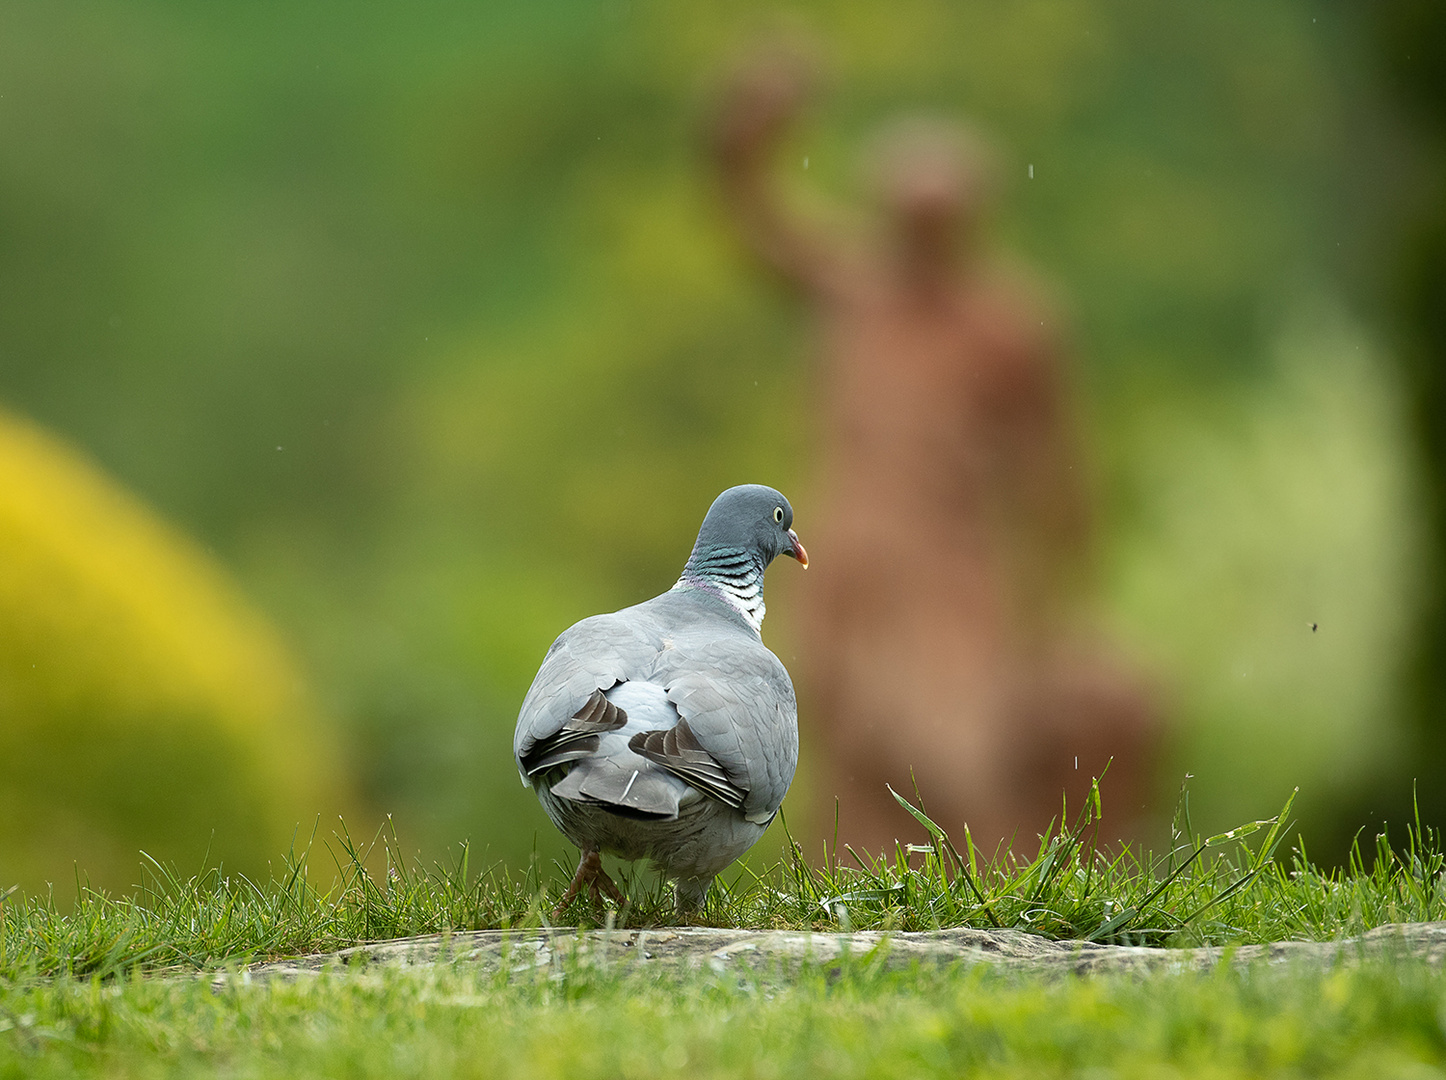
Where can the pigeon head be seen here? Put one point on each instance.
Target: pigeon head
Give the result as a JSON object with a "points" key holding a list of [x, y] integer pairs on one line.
{"points": [[746, 528], [750, 518]]}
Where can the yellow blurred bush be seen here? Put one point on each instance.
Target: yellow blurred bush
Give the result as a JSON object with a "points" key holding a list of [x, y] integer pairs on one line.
{"points": [[143, 704]]}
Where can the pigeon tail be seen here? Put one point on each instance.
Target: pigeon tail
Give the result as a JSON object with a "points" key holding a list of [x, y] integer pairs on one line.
{"points": [[645, 791]]}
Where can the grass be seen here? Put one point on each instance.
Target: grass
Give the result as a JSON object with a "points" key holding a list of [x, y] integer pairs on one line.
{"points": [[1228, 888], [856, 1021], [78, 996]]}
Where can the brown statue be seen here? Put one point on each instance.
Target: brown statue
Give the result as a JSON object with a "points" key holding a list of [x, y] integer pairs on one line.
{"points": [[950, 518]]}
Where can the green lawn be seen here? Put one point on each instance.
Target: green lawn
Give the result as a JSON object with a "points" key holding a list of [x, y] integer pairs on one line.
{"points": [[118, 985], [1368, 1021], [1229, 888]]}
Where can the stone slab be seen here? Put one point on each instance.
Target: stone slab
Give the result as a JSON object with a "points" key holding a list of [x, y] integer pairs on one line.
{"points": [[721, 950]]}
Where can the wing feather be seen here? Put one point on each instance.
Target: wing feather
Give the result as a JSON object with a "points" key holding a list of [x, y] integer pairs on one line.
{"points": [[678, 750], [577, 738]]}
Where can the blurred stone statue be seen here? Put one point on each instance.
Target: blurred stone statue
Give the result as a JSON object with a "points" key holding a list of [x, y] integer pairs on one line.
{"points": [[950, 512]]}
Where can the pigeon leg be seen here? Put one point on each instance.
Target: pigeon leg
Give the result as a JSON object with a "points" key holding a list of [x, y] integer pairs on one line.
{"points": [[590, 873], [690, 894]]}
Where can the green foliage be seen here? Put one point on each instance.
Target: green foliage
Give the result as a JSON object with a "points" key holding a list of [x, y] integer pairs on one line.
{"points": [[426, 320], [1287, 502], [143, 702]]}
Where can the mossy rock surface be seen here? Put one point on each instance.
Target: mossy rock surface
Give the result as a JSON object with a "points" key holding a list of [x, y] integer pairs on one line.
{"points": [[144, 705]]}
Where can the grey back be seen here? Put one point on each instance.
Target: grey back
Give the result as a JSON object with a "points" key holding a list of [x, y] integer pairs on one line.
{"points": [[733, 692]]}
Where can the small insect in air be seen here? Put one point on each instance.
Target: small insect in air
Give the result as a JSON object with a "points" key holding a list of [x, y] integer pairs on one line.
{"points": [[1313, 627]]}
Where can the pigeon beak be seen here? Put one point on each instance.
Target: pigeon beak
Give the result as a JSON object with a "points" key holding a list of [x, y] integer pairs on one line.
{"points": [[797, 552]]}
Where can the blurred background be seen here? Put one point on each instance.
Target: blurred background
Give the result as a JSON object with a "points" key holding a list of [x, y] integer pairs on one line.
{"points": [[347, 355]]}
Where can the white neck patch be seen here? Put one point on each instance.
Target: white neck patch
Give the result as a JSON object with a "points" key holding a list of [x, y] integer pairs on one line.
{"points": [[747, 600]]}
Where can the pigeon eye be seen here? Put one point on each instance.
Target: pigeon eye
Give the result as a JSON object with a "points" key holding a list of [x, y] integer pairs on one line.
{"points": [[778, 514]]}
